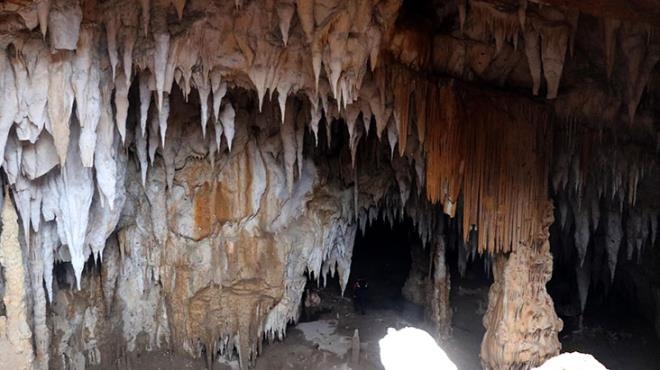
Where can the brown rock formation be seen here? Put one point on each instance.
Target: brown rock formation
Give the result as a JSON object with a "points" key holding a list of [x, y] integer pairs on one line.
{"points": [[521, 323]]}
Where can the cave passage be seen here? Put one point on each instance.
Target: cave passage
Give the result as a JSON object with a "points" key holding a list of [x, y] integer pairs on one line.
{"points": [[381, 255]]}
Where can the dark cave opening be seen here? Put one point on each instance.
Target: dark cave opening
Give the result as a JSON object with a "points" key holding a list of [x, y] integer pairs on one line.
{"points": [[382, 257]]}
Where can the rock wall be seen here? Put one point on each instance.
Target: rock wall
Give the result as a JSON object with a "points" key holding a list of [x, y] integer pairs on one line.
{"points": [[15, 333], [211, 233]]}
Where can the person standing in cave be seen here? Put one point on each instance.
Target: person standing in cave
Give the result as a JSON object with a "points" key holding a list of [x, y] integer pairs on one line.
{"points": [[360, 295]]}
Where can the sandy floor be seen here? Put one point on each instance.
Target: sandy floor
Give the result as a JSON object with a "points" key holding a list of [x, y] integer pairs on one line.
{"points": [[326, 343]]}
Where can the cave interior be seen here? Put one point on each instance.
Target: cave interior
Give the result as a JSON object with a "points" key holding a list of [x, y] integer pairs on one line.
{"points": [[183, 178]]}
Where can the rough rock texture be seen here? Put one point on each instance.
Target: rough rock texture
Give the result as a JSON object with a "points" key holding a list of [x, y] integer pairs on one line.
{"points": [[521, 323], [213, 233], [15, 333]]}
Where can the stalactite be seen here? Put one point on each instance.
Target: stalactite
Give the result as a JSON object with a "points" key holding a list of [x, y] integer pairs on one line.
{"points": [[613, 241], [227, 117], [498, 191], [610, 29], [288, 135], [501, 25], [121, 104], [203, 89], [60, 103], [85, 80]]}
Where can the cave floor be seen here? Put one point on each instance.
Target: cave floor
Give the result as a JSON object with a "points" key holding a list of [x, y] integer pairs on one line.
{"points": [[325, 342]]}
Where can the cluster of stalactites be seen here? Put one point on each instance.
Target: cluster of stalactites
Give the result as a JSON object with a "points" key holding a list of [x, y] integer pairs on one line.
{"points": [[545, 37], [55, 53], [547, 33], [495, 154], [597, 187], [473, 146]]}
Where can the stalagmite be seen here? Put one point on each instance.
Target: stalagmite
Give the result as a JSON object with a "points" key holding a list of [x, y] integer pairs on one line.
{"points": [[355, 349], [583, 273], [440, 310], [519, 307]]}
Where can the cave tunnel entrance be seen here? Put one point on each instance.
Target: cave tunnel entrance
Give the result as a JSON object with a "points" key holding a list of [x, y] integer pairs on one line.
{"points": [[382, 258]]}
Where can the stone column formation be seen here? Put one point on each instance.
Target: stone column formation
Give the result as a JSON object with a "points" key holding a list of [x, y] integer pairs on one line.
{"points": [[521, 323]]}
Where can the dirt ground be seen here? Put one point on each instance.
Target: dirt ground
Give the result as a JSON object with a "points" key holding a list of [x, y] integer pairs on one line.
{"points": [[325, 342]]}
